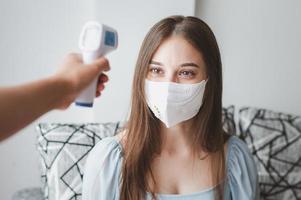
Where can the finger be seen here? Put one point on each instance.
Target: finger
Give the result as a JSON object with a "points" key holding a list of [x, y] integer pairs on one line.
{"points": [[102, 78], [97, 94], [91, 71], [102, 64], [100, 87]]}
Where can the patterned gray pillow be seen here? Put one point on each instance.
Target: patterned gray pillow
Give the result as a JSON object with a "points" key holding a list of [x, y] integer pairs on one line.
{"points": [[275, 141], [33, 193], [63, 149], [228, 119]]}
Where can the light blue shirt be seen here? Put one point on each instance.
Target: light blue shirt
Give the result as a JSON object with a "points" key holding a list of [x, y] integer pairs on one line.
{"points": [[103, 168]]}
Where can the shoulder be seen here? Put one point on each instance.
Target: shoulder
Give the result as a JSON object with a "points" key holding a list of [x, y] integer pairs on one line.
{"points": [[238, 155], [106, 152], [102, 169], [237, 147], [105, 147], [241, 170], [121, 138], [238, 151]]}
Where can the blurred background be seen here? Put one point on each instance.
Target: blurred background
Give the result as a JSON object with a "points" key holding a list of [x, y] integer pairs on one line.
{"points": [[259, 41]]}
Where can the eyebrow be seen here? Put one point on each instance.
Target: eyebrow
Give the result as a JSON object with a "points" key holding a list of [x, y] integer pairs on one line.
{"points": [[182, 65]]}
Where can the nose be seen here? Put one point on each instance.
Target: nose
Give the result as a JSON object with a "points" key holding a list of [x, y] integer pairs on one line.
{"points": [[171, 76]]}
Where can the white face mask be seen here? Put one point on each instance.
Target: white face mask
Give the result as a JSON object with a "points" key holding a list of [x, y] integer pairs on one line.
{"points": [[173, 103]]}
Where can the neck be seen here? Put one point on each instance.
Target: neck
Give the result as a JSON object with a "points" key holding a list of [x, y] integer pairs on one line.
{"points": [[176, 139]]}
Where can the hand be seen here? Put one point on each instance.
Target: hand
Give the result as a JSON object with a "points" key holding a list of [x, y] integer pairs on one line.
{"points": [[76, 76]]}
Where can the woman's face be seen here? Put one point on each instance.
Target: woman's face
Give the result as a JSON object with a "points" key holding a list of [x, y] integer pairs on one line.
{"points": [[177, 61]]}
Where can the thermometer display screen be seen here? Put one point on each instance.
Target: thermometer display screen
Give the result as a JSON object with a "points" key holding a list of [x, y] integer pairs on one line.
{"points": [[109, 38]]}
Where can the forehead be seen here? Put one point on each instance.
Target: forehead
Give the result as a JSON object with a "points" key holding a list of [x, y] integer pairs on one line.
{"points": [[176, 50]]}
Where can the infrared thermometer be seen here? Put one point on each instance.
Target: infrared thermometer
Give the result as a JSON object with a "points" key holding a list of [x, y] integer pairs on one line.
{"points": [[95, 40]]}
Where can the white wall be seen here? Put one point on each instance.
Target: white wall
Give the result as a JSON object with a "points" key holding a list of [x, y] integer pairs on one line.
{"points": [[34, 37], [261, 46]]}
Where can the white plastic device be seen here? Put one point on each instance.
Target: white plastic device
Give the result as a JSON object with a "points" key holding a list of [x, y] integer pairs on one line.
{"points": [[95, 40]]}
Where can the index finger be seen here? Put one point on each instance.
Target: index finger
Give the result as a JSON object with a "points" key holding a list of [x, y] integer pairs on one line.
{"points": [[102, 63]]}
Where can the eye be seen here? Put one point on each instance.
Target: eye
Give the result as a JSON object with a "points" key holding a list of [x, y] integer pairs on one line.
{"points": [[187, 73], [155, 70]]}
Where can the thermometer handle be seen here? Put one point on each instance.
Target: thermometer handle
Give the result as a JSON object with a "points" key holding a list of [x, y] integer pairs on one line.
{"points": [[86, 98]]}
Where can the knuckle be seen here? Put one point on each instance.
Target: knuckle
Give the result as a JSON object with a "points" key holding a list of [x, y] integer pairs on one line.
{"points": [[104, 61], [72, 56]]}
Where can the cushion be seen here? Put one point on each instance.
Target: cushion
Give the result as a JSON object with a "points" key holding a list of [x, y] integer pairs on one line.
{"points": [[64, 148], [228, 119], [274, 139], [28, 194]]}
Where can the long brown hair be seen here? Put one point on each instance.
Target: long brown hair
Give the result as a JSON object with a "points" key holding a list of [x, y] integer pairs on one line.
{"points": [[143, 140]]}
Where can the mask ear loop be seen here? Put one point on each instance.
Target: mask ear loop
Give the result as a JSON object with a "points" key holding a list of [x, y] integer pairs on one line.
{"points": [[207, 79], [204, 157]]}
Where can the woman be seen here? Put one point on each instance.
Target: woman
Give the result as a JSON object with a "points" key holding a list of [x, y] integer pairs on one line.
{"points": [[173, 146]]}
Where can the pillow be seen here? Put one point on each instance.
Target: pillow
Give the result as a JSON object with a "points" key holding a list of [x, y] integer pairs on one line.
{"points": [[275, 141], [228, 119], [31, 193], [63, 149]]}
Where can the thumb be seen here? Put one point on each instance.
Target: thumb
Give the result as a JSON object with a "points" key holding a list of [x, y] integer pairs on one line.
{"points": [[93, 70], [100, 64]]}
